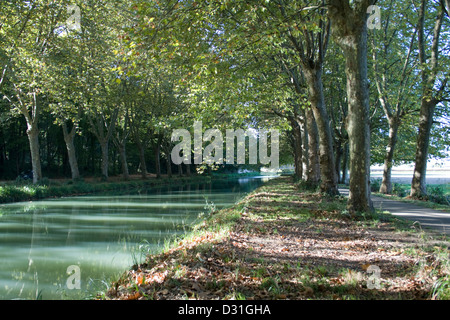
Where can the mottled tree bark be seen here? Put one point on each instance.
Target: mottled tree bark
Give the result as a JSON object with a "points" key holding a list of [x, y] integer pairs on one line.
{"points": [[123, 160], [104, 145], [345, 164], [311, 48], [32, 119], [33, 138], [328, 180], [386, 183], [305, 147], [297, 147], [313, 172], [98, 128], [350, 30], [69, 138], [418, 184], [143, 162]]}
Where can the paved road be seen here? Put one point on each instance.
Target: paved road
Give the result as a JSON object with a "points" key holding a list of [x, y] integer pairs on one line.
{"points": [[428, 218]]}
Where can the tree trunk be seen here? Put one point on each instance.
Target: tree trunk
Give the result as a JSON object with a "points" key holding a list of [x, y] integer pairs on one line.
{"points": [[158, 160], [345, 164], [297, 146], [169, 165], [447, 6], [418, 184], [98, 128], [328, 183], [428, 104], [33, 138], [350, 28], [386, 183], [70, 145], [121, 143], [105, 159], [313, 174], [188, 170], [123, 160], [358, 124], [32, 120], [338, 160], [142, 159], [167, 151], [305, 147]]}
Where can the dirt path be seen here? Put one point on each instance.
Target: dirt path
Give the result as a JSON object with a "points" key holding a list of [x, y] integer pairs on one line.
{"points": [[283, 243], [425, 217]]}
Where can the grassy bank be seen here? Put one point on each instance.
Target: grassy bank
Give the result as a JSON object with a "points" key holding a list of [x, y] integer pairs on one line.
{"points": [[25, 191], [438, 194], [282, 242]]}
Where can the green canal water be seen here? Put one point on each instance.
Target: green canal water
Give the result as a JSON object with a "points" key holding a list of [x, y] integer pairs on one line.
{"points": [[71, 248]]}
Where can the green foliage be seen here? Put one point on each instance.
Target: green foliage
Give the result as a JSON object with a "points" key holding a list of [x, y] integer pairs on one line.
{"points": [[160, 65], [308, 186], [437, 194], [375, 185], [441, 289]]}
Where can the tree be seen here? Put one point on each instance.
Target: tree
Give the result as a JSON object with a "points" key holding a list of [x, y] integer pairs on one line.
{"points": [[103, 26], [349, 26], [65, 87], [311, 45], [120, 137], [394, 76], [431, 95], [103, 122], [296, 39], [27, 46], [336, 102]]}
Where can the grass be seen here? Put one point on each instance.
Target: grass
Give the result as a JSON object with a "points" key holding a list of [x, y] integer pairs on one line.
{"points": [[285, 242], [438, 194]]}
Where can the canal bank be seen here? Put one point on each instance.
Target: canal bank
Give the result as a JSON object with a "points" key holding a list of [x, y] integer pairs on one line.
{"points": [[281, 242], [25, 191]]}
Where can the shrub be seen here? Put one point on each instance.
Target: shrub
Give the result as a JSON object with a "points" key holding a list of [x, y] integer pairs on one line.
{"points": [[437, 194], [12, 194], [308, 186], [398, 190], [44, 182], [375, 185]]}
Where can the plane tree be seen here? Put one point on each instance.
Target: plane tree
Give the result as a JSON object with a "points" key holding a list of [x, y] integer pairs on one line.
{"points": [[433, 60], [349, 29], [27, 33]]}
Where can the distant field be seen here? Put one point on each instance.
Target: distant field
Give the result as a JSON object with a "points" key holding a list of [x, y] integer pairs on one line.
{"points": [[438, 181], [438, 172], [400, 176]]}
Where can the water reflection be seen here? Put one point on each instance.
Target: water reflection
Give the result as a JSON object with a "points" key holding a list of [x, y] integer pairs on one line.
{"points": [[103, 235]]}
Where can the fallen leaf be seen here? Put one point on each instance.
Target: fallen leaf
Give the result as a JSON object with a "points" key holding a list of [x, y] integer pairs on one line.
{"points": [[365, 266], [134, 296]]}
